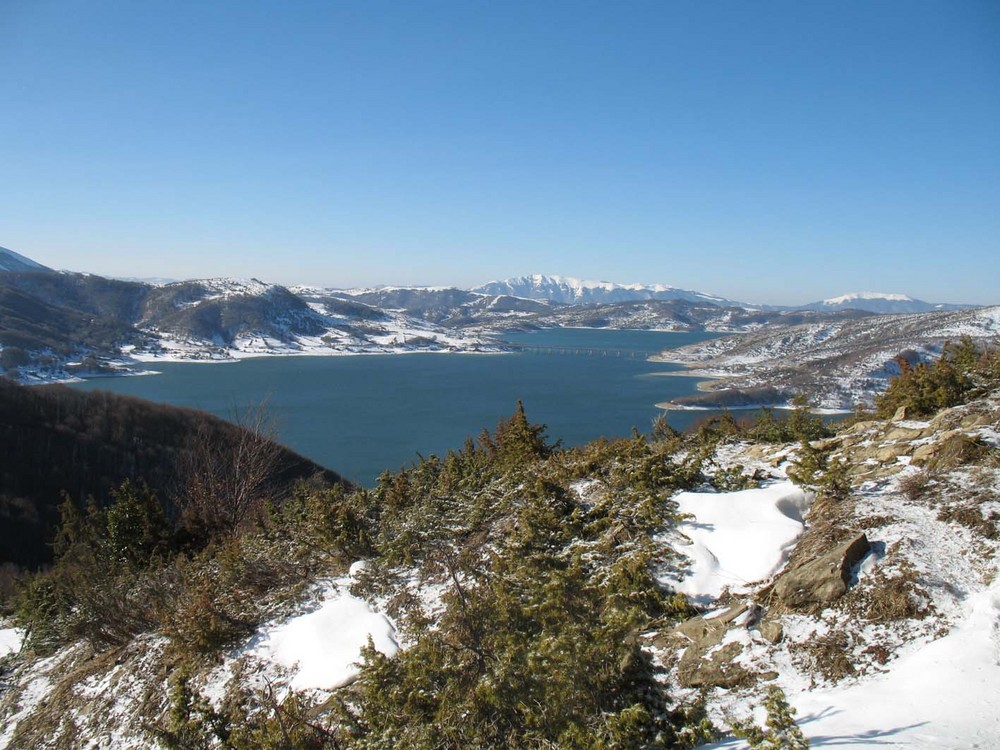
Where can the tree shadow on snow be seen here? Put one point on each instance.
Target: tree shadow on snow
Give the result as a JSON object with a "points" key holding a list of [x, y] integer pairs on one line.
{"points": [[869, 738]]}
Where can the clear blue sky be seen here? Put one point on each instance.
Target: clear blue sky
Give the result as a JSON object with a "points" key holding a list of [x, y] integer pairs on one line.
{"points": [[767, 151]]}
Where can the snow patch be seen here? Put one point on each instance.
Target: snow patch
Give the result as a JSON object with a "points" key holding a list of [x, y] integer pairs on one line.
{"points": [[10, 641], [323, 647], [737, 538]]}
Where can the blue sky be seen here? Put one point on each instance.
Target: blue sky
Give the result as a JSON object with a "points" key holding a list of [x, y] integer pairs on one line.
{"points": [[767, 151]]}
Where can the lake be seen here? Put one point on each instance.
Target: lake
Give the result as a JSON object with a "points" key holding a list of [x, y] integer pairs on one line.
{"points": [[360, 415]]}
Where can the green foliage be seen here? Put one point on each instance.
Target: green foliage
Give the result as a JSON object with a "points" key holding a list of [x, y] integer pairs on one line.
{"points": [[545, 560], [780, 731], [764, 426], [545, 597], [732, 479], [246, 720], [963, 371], [802, 424], [137, 527], [817, 470], [104, 582]]}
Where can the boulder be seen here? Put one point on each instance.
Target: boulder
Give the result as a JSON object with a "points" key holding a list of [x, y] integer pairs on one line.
{"points": [[981, 420], [697, 669], [707, 663], [889, 453], [697, 629], [904, 434], [771, 631], [814, 584]]}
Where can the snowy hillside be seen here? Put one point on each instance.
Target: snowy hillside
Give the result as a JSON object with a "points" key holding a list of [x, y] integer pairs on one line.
{"points": [[895, 648], [218, 319], [571, 291], [838, 364]]}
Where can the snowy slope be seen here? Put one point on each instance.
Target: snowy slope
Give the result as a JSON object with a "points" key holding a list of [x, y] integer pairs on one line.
{"points": [[924, 681], [838, 363], [737, 538]]}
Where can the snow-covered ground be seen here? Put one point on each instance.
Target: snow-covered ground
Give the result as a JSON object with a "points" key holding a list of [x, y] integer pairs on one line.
{"points": [[920, 682], [943, 694], [322, 648], [737, 538], [316, 649], [10, 641]]}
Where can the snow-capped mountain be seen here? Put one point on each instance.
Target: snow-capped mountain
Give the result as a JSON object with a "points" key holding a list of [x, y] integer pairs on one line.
{"points": [[15, 262], [572, 291], [880, 302]]}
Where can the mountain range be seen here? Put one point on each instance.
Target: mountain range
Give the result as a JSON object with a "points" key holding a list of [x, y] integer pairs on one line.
{"points": [[572, 291], [55, 325]]}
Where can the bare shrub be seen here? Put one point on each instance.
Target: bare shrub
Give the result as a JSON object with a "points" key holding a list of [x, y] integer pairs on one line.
{"points": [[828, 655], [915, 486], [225, 483], [890, 598]]}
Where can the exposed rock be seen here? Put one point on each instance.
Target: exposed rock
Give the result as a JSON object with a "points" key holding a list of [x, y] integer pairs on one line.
{"points": [[953, 448], [924, 453], [717, 669], [706, 664], [700, 628], [904, 433], [771, 631], [889, 453], [902, 414], [980, 420], [822, 580]]}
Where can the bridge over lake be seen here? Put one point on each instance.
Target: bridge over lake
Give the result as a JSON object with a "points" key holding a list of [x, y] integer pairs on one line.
{"points": [[577, 351]]}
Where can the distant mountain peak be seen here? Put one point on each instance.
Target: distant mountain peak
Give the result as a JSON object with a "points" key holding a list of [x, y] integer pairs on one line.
{"points": [[853, 296], [881, 302], [569, 290], [15, 262]]}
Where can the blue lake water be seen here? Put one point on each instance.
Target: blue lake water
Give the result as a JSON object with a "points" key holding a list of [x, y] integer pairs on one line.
{"points": [[361, 415]]}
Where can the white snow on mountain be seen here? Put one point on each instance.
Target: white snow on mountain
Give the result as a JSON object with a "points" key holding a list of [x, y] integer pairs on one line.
{"points": [[866, 296], [226, 288], [572, 291], [880, 302]]}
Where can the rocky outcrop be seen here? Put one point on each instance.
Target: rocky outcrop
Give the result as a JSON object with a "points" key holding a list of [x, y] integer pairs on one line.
{"points": [[707, 661], [814, 584]]}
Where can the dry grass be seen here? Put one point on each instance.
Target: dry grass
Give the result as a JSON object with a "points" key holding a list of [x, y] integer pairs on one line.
{"points": [[959, 450], [877, 652], [971, 517], [828, 656], [889, 597], [916, 486], [875, 521]]}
